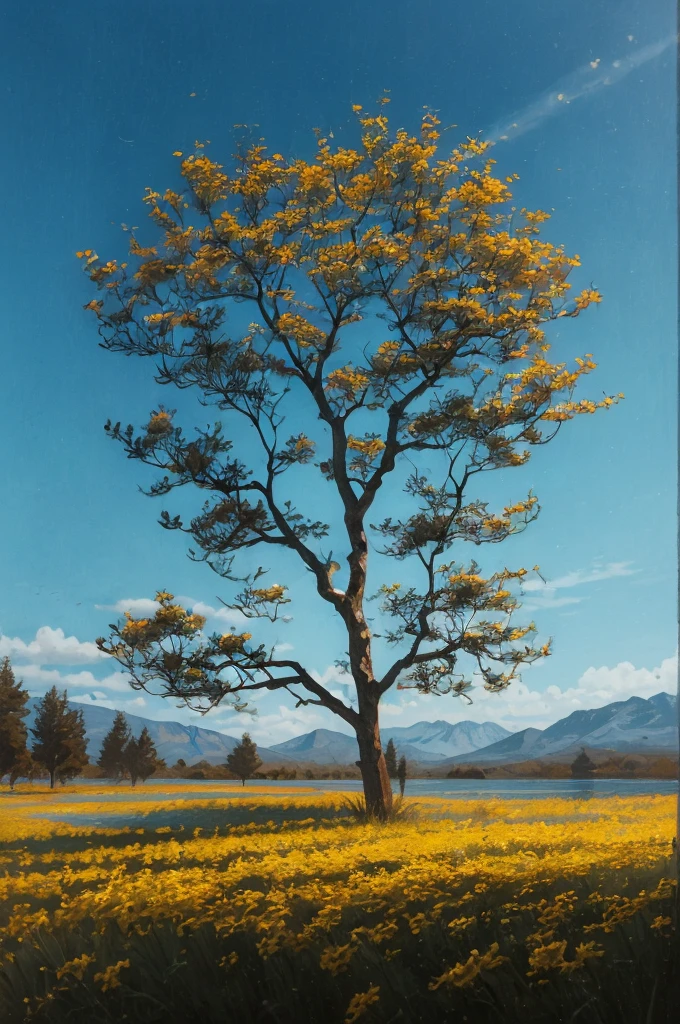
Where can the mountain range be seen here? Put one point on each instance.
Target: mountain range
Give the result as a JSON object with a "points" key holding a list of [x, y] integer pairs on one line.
{"points": [[425, 742], [172, 739], [637, 724]]}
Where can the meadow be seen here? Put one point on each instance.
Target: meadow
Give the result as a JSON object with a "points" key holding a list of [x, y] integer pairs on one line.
{"points": [[288, 906]]}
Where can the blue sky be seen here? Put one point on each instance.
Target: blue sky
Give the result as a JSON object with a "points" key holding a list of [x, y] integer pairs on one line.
{"points": [[582, 106]]}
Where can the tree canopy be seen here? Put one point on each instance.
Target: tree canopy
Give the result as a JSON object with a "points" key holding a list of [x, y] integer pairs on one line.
{"points": [[111, 757], [59, 731], [244, 759], [140, 758], [15, 759], [393, 291]]}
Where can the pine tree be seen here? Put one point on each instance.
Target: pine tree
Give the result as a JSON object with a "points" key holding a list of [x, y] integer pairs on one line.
{"points": [[59, 733], [401, 774], [15, 760], [243, 760], [582, 766], [391, 759], [140, 757], [115, 741]]}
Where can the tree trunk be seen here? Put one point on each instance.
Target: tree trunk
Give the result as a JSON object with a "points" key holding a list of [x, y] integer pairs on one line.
{"points": [[243, 782], [377, 786], [52, 775]]}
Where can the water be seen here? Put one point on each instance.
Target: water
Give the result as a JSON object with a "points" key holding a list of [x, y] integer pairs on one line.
{"points": [[463, 789]]}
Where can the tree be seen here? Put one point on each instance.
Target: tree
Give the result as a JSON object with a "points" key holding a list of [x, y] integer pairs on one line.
{"points": [[59, 733], [391, 759], [401, 774], [398, 306], [140, 757], [244, 760], [111, 759], [582, 767], [15, 759]]}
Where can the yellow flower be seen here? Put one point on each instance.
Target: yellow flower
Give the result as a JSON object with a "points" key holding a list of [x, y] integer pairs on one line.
{"points": [[108, 978], [76, 967], [360, 1002]]}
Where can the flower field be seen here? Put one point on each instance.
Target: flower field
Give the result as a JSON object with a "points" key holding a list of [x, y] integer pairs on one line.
{"points": [[284, 906]]}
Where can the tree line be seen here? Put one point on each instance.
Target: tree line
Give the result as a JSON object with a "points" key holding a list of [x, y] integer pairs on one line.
{"points": [[59, 743]]}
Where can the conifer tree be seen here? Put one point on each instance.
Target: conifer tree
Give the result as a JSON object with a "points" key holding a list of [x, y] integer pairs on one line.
{"points": [[140, 757], [582, 766], [59, 733], [114, 743], [244, 759], [15, 759], [401, 774], [391, 759]]}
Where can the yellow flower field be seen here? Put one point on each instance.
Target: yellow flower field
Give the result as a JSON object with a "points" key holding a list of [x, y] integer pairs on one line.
{"points": [[449, 901]]}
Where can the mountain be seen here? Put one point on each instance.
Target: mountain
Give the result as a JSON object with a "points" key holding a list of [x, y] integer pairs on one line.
{"points": [[322, 746], [636, 724], [437, 740], [172, 739], [426, 742]]}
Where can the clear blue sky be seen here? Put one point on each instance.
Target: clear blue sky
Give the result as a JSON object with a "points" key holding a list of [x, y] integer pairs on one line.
{"points": [[95, 100]]}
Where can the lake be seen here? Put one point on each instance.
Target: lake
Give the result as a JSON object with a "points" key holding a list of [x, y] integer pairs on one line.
{"points": [[463, 789]]}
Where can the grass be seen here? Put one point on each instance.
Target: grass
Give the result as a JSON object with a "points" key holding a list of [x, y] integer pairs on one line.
{"points": [[295, 907]]}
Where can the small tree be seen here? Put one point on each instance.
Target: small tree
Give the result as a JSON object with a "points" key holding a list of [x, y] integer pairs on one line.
{"points": [[398, 306], [111, 757], [244, 759], [391, 759], [15, 759], [401, 774], [582, 766], [60, 745], [140, 757]]}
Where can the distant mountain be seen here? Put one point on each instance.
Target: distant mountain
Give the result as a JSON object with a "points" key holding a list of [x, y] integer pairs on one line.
{"points": [[426, 742], [635, 724], [172, 739], [322, 746], [436, 740]]}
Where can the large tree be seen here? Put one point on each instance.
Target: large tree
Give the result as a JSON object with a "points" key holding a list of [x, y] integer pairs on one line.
{"points": [[59, 732], [387, 310], [15, 759]]}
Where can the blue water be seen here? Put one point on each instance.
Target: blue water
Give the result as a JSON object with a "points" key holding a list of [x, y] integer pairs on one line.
{"points": [[464, 789]]}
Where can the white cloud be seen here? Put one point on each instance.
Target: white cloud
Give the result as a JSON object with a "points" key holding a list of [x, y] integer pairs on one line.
{"points": [[227, 615], [33, 675], [50, 647], [137, 606], [581, 576], [277, 726], [521, 705], [543, 593], [590, 78], [142, 606], [136, 705]]}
